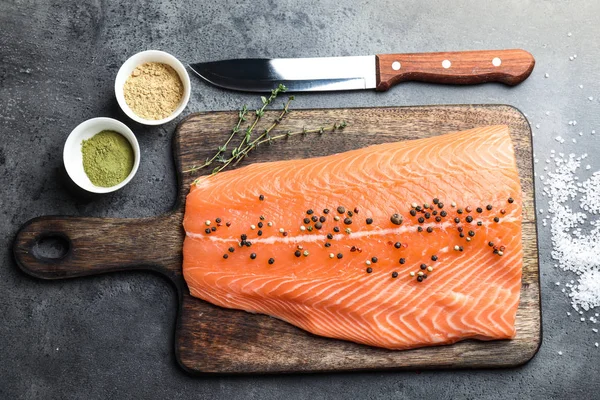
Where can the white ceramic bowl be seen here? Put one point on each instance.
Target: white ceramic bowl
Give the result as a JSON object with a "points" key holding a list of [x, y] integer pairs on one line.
{"points": [[144, 57], [73, 158]]}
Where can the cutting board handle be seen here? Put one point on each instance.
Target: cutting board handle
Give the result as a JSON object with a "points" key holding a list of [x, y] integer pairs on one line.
{"points": [[98, 245]]}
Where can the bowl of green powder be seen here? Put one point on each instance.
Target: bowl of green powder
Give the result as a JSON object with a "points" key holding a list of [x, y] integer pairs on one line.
{"points": [[101, 155]]}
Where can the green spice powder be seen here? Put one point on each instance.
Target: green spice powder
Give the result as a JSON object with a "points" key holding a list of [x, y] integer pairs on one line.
{"points": [[107, 158]]}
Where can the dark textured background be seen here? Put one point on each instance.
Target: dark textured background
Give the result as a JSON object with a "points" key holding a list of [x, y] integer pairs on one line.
{"points": [[112, 336]]}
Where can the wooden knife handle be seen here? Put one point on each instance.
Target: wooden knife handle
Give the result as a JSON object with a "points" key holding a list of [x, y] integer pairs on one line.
{"points": [[99, 245], [510, 67]]}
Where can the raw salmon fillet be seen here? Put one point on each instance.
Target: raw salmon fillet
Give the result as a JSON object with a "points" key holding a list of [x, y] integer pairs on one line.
{"points": [[399, 245]]}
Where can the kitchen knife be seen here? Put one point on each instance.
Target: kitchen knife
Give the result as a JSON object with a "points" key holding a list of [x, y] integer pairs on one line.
{"points": [[378, 72]]}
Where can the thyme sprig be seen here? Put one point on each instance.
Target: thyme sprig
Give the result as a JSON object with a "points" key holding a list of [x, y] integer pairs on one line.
{"points": [[247, 144]]}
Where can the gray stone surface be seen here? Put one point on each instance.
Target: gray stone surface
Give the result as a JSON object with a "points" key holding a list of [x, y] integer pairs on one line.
{"points": [[112, 336]]}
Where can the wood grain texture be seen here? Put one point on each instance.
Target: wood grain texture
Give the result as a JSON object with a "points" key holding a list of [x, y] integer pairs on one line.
{"points": [[211, 339], [459, 68]]}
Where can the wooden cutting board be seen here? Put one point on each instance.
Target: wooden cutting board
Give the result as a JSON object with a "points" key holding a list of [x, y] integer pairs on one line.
{"points": [[210, 339]]}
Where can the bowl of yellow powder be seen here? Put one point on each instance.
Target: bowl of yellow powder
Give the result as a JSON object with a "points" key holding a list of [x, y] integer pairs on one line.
{"points": [[152, 87], [101, 155]]}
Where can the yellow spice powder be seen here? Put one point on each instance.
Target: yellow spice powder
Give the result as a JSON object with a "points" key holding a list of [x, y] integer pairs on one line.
{"points": [[153, 90]]}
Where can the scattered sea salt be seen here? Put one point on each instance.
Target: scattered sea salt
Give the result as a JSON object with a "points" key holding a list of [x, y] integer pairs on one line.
{"points": [[571, 58], [546, 75], [560, 353], [574, 140], [537, 126], [590, 98], [594, 330], [580, 133], [575, 248], [569, 34], [580, 86], [596, 344]]}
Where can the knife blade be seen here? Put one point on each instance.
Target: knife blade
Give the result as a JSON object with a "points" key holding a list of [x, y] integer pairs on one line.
{"points": [[378, 72]]}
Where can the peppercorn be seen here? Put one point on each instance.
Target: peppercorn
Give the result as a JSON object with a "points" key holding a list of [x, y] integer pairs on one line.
{"points": [[356, 210], [460, 228], [253, 256], [491, 244], [462, 235], [347, 221], [418, 208], [373, 260], [259, 232], [260, 224], [436, 200], [471, 233], [429, 229], [271, 260], [213, 229], [479, 209], [397, 245], [226, 256], [438, 219], [341, 210], [443, 213], [496, 219], [309, 211], [402, 260], [489, 207], [434, 212], [369, 270], [207, 230], [340, 255], [284, 234], [350, 213], [248, 244], [369, 221], [423, 266], [421, 220], [419, 229], [327, 244], [427, 215], [326, 211], [434, 258], [420, 278], [469, 219], [262, 217], [231, 249], [441, 205], [396, 219], [394, 274], [511, 200], [261, 197], [318, 225], [460, 211], [468, 209], [329, 236], [457, 220], [322, 219], [413, 212], [218, 220], [314, 218], [336, 229], [424, 276], [228, 224]]}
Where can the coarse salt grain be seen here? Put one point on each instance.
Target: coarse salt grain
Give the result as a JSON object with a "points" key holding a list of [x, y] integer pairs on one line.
{"points": [[590, 98], [560, 353], [546, 75]]}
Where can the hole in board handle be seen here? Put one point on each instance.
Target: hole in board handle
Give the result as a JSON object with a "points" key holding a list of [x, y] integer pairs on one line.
{"points": [[51, 247]]}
